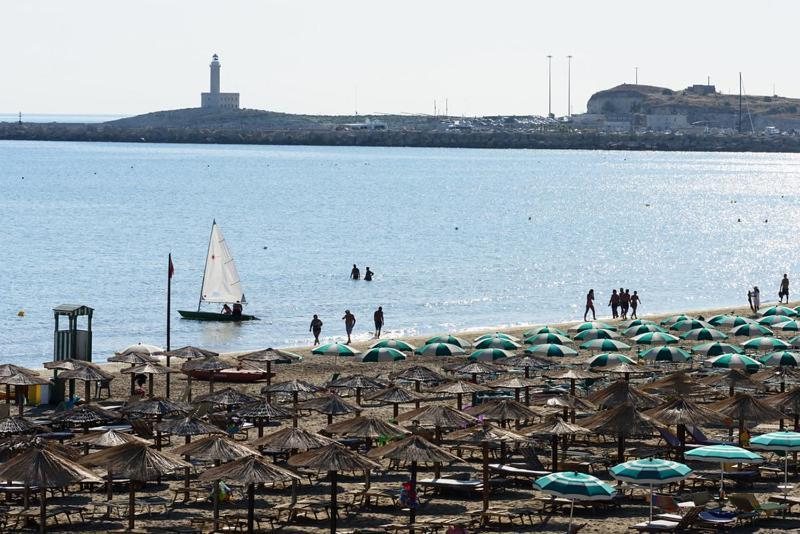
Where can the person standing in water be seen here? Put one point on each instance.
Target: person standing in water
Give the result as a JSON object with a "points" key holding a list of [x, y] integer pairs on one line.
{"points": [[635, 301], [368, 275], [589, 305], [750, 299], [784, 290], [349, 322], [355, 274], [316, 329], [756, 299], [378, 317]]}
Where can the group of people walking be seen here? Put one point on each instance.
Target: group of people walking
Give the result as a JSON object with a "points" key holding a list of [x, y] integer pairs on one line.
{"points": [[349, 323], [621, 302]]}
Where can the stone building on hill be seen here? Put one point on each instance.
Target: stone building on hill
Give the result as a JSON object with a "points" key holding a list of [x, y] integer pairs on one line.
{"points": [[214, 99]]}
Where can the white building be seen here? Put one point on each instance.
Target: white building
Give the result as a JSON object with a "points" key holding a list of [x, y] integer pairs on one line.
{"points": [[215, 99]]}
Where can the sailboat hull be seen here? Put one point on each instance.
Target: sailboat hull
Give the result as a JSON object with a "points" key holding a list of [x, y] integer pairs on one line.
{"points": [[211, 316]]}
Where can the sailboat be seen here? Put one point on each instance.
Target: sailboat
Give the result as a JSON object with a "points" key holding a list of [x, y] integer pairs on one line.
{"points": [[221, 283]]}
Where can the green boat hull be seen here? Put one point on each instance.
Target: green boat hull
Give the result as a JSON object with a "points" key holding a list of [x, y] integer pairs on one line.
{"points": [[211, 316]]}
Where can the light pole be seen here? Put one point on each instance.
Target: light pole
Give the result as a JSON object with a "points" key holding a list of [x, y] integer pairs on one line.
{"points": [[550, 87], [636, 76], [569, 86]]}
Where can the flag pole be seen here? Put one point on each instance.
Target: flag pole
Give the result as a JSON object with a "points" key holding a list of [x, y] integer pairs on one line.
{"points": [[170, 270]]}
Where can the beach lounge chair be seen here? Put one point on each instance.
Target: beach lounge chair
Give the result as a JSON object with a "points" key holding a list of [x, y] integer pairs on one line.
{"points": [[517, 471], [748, 504], [717, 519], [700, 438], [450, 484], [666, 525], [785, 499], [668, 506]]}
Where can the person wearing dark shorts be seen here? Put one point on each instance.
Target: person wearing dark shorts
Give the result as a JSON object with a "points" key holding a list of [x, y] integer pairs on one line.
{"points": [[349, 323], [316, 328], [623, 303], [635, 301], [378, 317], [589, 305], [614, 303], [784, 290]]}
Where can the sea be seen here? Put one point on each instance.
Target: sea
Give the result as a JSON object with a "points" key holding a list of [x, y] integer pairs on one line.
{"points": [[458, 238]]}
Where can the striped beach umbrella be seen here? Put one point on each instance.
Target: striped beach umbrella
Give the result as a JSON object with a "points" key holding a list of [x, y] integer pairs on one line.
{"points": [[556, 339], [703, 334], [637, 322], [672, 319], [655, 338], [723, 454], [439, 349], [779, 310], [575, 487], [450, 340], [383, 354], [535, 331], [781, 358], [751, 330], [716, 349], [609, 360], [785, 442], [729, 321], [488, 355], [550, 349], [337, 349], [595, 333], [638, 330], [795, 342], [689, 324], [592, 325], [606, 345], [497, 334], [663, 353], [766, 343], [497, 343], [652, 472], [789, 326], [394, 344], [773, 320], [733, 361]]}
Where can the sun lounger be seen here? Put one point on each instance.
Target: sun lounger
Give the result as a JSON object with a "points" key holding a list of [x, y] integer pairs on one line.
{"points": [[785, 499], [700, 438], [748, 504], [717, 518], [439, 484], [512, 471], [665, 525]]}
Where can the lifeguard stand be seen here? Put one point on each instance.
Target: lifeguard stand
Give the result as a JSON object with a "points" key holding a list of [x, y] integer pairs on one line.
{"points": [[73, 342]]}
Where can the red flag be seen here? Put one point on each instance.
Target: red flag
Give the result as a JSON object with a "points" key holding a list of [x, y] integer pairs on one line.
{"points": [[171, 267]]}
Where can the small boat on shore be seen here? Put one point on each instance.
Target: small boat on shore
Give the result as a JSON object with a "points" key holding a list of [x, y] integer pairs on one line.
{"points": [[221, 284], [230, 375]]}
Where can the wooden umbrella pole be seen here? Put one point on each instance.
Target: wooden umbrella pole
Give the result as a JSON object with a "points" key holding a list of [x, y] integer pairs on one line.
{"points": [[43, 511], [294, 409], [418, 390], [131, 504], [412, 512], [251, 507], [333, 500], [110, 487], [485, 477], [554, 452], [87, 387]]}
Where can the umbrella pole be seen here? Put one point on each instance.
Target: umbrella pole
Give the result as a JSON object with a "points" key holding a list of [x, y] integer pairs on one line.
{"points": [[167, 390], [651, 503], [43, 511], [294, 409], [87, 388], [131, 504], [412, 512], [211, 382], [527, 394], [269, 374], [150, 386], [395, 410], [133, 381], [333, 500], [721, 482], [110, 487], [485, 477], [621, 448], [682, 438], [358, 396], [417, 389], [189, 388], [459, 401], [571, 510], [554, 446], [251, 507]]}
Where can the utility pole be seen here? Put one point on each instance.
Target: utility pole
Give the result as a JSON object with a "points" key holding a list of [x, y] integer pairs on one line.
{"points": [[550, 87], [636, 75], [569, 86], [446, 107], [740, 103]]}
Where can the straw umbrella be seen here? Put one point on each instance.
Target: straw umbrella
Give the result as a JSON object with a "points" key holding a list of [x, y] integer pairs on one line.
{"points": [[418, 374], [477, 368], [227, 398], [249, 471], [267, 357], [367, 428], [293, 387], [356, 382], [292, 438], [185, 353], [789, 403], [137, 462], [734, 378], [394, 395], [525, 362], [209, 364], [504, 410], [682, 412], [69, 364], [10, 426], [625, 369], [85, 416], [329, 404], [556, 429], [416, 450], [149, 369], [570, 404], [44, 469], [156, 407], [133, 359], [88, 375], [572, 375], [187, 427], [459, 388], [515, 383], [22, 379], [261, 412], [333, 458], [438, 417], [622, 391], [623, 421], [9, 369], [677, 383], [105, 439], [745, 408]]}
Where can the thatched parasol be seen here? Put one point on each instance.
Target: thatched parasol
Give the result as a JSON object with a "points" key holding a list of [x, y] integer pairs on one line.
{"points": [[155, 406], [187, 427], [555, 429], [21, 379], [227, 397], [745, 408], [292, 438], [68, 365], [10, 426], [418, 374], [87, 374], [439, 417], [215, 447], [136, 461], [267, 357], [477, 368], [517, 384], [682, 412], [366, 427], [624, 368], [459, 388], [132, 358], [333, 458], [186, 353], [733, 378], [622, 391], [789, 403], [329, 404], [85, 416], [416, 450], [623, 421], [570, 404], [293, 387], [42, 468], [209, 364], [104, 439], [503, 410], [572, 375], [150, 369], [261, 412], [249, 471], [141, 349], [9, 369], [394, 395], [525, 362], [356, 382], [677, 383]]}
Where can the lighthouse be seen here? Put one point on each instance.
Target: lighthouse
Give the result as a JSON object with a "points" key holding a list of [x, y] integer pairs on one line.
{"points": [[214, 98]]}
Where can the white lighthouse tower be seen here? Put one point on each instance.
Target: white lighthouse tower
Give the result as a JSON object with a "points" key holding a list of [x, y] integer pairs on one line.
{"points": [[214, 98]]}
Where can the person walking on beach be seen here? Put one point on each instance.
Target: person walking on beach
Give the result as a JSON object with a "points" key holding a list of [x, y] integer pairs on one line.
{"points": [[316, 329], [368, 275], [750, 300], [378, 318], [784, 290], [614, 303], [349, 322], [635, 301], [355, 274], [756, 299], [589, 305], [624, 302]]}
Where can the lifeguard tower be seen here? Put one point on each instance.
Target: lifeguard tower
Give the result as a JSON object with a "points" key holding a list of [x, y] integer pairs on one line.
{"points": [[70, 343]]}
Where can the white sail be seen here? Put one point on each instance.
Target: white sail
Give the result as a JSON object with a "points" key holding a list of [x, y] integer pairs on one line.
{"points": [[221, 279]]}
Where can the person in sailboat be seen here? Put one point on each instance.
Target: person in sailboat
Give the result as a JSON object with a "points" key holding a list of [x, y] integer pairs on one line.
{"points": [[237, 309], [349, 323], [355, 273], [226, 310]]}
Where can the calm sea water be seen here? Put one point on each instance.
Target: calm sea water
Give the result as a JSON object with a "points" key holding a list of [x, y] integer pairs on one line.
{"points": [[457, 238]]}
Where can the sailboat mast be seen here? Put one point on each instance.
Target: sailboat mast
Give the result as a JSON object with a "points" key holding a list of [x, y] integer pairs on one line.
{"points": [[205, 265], [740, 102]]}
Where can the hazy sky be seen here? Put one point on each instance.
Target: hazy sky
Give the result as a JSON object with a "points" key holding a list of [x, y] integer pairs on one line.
{"points": [[84, 56]]}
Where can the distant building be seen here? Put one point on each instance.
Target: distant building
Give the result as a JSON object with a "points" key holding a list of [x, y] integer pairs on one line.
{"points": [[701, 89], [214, 99]]}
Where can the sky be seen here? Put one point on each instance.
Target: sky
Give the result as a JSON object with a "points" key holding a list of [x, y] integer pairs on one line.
{"points": [[326, 57]]}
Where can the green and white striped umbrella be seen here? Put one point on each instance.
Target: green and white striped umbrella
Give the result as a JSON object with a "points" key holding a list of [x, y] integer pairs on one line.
{"points": [[595, 333], [497, 334], [789, 326], [543, 330], [606, 345], [795, 342], [766, 343], [451, 340], [652, 472], [774, 320], [439, 349], [394, 344], [785, 442], [723, 454], [689, 324], [779, 310], [638, 330], [575, 487], [703, 334], [338, 349], [781, 358], [497, 343], [733, 361], [729, 321], [383, 354], [592, 325], [716, 349], [609, 360], [663, 353], [750, 330], [637, 322], [653, 338], [556, 339], [672, 319], [488, 355], [550, 349]]}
